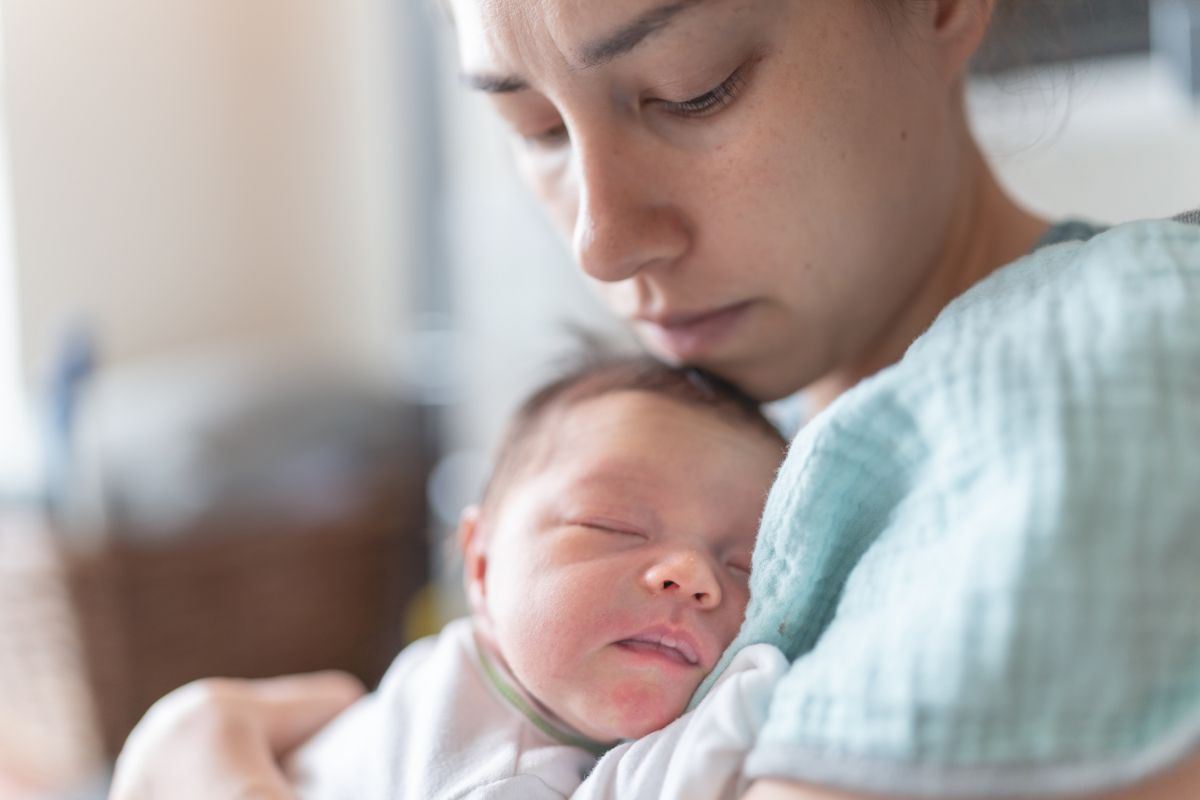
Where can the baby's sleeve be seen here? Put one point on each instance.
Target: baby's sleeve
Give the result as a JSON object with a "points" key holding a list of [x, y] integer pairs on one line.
{"points": [[337, 764], [518, 787], [985, 562]]}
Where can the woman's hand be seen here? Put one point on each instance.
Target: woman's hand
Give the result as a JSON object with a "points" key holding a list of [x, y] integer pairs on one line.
{"points": [[223, 739]]}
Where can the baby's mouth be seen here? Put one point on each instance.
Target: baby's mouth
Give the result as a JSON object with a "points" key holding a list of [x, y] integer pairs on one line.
{"points": [[665, 645]]}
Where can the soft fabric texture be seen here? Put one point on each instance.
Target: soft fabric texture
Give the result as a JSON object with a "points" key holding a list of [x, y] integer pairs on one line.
{"points": [[436, 729], [985, 560], [701, 755], [439, 728]]}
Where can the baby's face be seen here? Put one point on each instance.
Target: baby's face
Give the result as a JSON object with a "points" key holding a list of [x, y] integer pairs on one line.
{"points": [[616, 572]]}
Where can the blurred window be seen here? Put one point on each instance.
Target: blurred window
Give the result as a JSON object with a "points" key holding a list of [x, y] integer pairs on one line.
{"points": [[16, 451], [1034, 32]]}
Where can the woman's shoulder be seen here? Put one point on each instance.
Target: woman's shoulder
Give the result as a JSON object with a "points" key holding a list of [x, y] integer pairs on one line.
{"points": [[1083, 358], [1069, 230], [986, 554], [1090, 325], [1093, 292], [1099, 334]]}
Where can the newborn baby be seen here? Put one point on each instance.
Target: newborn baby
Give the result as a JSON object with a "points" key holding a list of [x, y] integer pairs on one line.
{"points": [[606, 568]]}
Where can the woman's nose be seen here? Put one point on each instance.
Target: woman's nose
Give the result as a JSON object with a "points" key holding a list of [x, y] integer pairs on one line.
{"points": [[626, 220], [686, 577]]}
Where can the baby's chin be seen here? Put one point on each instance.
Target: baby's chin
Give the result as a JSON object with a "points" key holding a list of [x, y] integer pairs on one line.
{"points": [[631, 712], [636, 729]]}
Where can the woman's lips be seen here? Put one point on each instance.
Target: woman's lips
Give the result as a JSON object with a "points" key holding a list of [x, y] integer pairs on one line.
{"points": [[688, 336]]}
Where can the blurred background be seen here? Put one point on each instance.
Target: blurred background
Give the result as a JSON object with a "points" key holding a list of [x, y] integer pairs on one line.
{"points": [[269, 289]]}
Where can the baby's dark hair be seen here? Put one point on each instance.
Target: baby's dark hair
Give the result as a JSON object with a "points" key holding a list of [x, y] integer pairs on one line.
{"points": [[597, 375]]}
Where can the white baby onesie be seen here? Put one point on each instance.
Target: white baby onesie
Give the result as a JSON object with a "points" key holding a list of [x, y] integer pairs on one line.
{"points": [[440, 727]]}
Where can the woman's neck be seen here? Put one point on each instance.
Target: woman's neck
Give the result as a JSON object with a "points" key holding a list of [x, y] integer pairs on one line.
{"points": [[987, 230]]}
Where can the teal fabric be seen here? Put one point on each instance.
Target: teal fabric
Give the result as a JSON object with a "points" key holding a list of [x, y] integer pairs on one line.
{"points": [[1070, 230], [984, 561]]}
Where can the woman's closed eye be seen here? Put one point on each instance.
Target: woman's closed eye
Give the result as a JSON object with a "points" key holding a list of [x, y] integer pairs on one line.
{"points": [[712, 101], [703, 105]]}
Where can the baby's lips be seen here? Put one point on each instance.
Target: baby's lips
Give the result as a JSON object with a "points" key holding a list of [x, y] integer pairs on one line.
{"points": [[672, 638]]}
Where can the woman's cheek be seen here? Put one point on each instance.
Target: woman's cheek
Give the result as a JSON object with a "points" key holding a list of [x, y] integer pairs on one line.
{"points": [[556, 191]]}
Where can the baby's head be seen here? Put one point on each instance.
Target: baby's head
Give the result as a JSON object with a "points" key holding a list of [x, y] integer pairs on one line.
{"points": [[609, 561]]}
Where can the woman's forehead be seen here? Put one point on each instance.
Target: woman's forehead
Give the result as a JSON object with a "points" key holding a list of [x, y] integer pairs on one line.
{"points": [[578, 34]]}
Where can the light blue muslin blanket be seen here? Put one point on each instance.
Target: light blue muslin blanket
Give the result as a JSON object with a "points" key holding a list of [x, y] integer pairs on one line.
{"points": [[985, 560]]}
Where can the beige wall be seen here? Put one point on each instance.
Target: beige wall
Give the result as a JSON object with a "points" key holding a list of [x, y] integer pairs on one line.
{"points": [[191, 172]]}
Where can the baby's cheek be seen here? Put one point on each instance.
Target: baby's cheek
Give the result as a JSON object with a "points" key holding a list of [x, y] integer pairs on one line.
{"points": [[544, 642], [540, 644]]}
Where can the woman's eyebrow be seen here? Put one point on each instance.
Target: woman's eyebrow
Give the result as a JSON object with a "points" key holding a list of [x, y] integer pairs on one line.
{"points": [[633, 33], [595, 53], [494, 84]]}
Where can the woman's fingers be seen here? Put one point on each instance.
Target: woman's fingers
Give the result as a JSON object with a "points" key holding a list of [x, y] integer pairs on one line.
{"points": [[222, 738], [294, 707]]}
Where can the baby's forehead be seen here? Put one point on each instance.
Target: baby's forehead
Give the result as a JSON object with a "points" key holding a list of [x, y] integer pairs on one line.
{"points": [[631, 438], [653, 425], [661, 418], [599, 421]]}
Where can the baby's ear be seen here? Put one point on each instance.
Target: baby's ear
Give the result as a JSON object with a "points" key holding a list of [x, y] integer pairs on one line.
{"points": [[472, 544]]}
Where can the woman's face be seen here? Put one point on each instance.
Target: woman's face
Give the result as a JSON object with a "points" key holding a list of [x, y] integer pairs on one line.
{"points": [[760, 186]]}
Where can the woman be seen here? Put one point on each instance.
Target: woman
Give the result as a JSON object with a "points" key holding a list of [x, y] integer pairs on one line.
{"points": [[787, 193]]}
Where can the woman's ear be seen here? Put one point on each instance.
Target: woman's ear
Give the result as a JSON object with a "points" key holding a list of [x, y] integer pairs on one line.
{"points": [[958, 28], [473, 545]]}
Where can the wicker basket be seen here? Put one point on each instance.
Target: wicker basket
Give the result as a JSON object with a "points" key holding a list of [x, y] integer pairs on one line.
{"points": [[48, 729], [128, 619]]}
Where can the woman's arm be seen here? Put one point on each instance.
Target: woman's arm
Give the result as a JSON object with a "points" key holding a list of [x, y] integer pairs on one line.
{"points": [[787, 790], [1181, 783], [220, 739]]}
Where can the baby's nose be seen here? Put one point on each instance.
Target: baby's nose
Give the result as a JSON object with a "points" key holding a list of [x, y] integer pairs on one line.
{"points": [[686, 577]]}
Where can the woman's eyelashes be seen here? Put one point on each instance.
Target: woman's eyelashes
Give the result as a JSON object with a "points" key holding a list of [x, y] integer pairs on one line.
{"points": [[710, 102], [703, 105]]}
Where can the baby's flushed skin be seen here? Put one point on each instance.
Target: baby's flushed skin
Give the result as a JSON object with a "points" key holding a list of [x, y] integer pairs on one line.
{"points": [[611, 576], [607, 567]]}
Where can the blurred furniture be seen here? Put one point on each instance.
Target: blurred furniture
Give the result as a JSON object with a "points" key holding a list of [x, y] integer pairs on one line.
{"points": [[1175, 28], [48, 730], [245, 520], [253, 600], [1038, 32], [1034, 32]]}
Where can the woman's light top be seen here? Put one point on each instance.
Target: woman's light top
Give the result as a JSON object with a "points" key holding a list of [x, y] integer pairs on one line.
{"points": [[985, 560]]}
